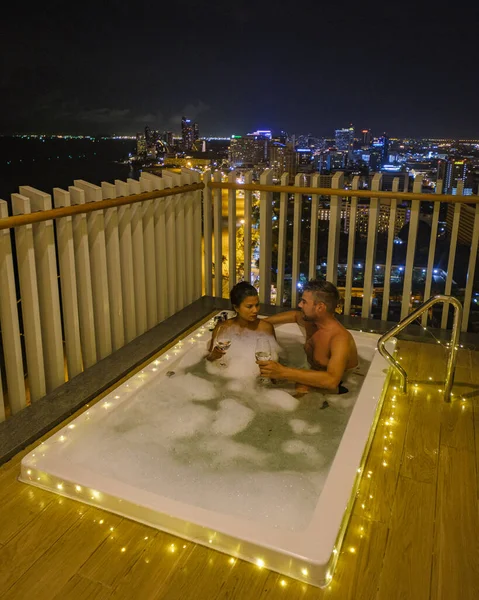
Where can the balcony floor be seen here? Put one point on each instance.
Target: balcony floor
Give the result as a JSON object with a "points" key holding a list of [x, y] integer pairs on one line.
{"points": [[413, 534]]}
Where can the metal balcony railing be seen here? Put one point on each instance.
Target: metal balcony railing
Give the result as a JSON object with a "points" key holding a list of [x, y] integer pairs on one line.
{"points": [[454, 345]]}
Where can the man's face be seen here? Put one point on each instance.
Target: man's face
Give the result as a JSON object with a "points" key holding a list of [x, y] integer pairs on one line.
{"points": [[307, 306]]}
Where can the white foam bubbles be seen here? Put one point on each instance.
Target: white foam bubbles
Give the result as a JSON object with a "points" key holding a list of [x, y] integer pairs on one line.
{"points": [[231, 418], [301, 427], [277, 400]]}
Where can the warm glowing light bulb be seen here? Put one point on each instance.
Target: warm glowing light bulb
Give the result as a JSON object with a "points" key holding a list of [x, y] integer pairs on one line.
{"points": [[283, 583], [29, 472], [260, 562], [304, 572], [352, 550], [71, 426], [123, 549], [231, 561], [59, 486]]}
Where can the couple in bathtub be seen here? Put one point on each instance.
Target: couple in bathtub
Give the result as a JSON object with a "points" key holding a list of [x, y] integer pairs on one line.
{"points": [[329, 347]]}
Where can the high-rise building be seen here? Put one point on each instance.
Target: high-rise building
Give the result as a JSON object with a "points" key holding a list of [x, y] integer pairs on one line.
{"points": [[454, 171], [304, 160], [249, 150], [344, 140], [140, 144], [366, 138], [188, 132], [382, 146]]}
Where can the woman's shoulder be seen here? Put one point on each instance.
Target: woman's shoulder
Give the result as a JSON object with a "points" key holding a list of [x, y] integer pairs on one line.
{"points": [[265, 327]]}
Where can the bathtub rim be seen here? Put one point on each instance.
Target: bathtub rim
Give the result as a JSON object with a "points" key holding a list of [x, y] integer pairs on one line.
{"points": [[293, 546]]}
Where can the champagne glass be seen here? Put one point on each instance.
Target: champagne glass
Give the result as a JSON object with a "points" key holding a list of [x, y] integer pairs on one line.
{"points": [[262, 353], [223, 342]]}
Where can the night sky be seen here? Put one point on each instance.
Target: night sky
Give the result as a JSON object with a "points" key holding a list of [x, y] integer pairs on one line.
{"points": [[305, 67]]}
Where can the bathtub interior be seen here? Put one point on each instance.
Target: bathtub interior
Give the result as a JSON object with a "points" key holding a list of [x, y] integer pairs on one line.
{"points": [[208, 437]]}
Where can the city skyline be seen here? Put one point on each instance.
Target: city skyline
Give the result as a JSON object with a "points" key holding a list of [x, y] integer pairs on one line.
{"points": [[405, 70]]}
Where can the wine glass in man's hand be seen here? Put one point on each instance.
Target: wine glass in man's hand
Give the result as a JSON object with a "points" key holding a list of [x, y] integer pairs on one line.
{"points": [[262, 353]]}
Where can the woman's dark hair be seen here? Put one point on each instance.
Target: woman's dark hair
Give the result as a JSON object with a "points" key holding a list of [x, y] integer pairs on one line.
{"points": [[241, 291]]}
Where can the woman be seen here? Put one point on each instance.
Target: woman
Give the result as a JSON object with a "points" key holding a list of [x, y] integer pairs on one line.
{"points": [[245, 301]]}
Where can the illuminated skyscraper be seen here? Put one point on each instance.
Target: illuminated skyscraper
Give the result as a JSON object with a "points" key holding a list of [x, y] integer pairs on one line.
{"points": [[366, 138], [188, 132], [454, 171], [345, 140]]}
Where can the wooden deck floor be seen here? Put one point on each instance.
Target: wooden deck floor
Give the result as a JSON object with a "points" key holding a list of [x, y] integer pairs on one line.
{"points": [[414, 532]]}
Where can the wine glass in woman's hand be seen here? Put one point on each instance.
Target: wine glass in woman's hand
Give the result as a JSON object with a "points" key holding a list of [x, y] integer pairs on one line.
{"points": [[262, 353], [223, 342]]}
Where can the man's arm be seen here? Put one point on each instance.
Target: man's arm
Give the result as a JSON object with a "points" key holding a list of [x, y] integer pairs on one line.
{"points": [[289, 316], [328, 379]]}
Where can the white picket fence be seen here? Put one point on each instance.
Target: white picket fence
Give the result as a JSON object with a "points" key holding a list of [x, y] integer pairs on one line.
{"points": [[121, 271]]}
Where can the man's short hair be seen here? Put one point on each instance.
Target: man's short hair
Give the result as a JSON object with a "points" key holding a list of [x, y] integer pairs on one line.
{"points": [[323, 291]]}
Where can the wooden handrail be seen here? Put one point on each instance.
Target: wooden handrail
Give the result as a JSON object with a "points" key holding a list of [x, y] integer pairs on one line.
{"points": [[67, 211], [310, 191]]}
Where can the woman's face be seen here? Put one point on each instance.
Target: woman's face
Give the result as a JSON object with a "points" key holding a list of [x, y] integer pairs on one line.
{"points": [[249, 308]]}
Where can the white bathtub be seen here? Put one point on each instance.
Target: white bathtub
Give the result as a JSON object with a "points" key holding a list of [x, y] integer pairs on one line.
{"points": [[113, 456]]}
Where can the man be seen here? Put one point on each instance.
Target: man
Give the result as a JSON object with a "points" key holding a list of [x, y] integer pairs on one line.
{"points": [[329, 347]]}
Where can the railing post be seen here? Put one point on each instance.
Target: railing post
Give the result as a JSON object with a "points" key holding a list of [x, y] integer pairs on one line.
{"points": [[178, 203], [411, 249], [353, 211], [112, 245], [432, 249], [126, 262], [368, 289], [389, 252], [189, 250], [101, 297], [313, 229], [232, 231], [452, 252], [68, 286], [47, 274], [152, 182], [337, 182], [217, 228], [10, 327], [207, 234], [282, 233], [248, 207], [148, 218], [265, 220], [296, 260], [27, 273], [471, 269], [138, 244], [84, 282]]}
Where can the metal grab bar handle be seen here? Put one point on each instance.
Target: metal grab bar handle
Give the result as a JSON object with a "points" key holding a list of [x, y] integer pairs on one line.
{"points": [[456, 332]]}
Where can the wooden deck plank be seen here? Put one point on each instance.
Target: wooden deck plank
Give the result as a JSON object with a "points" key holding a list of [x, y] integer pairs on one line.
{"points": [[204, 575], [20, 508], [64, 558], [406, 571], [381, 470], [118, 554], [421, 446], [80, 588], [456, 541], [149, 575], [30, 543]]}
